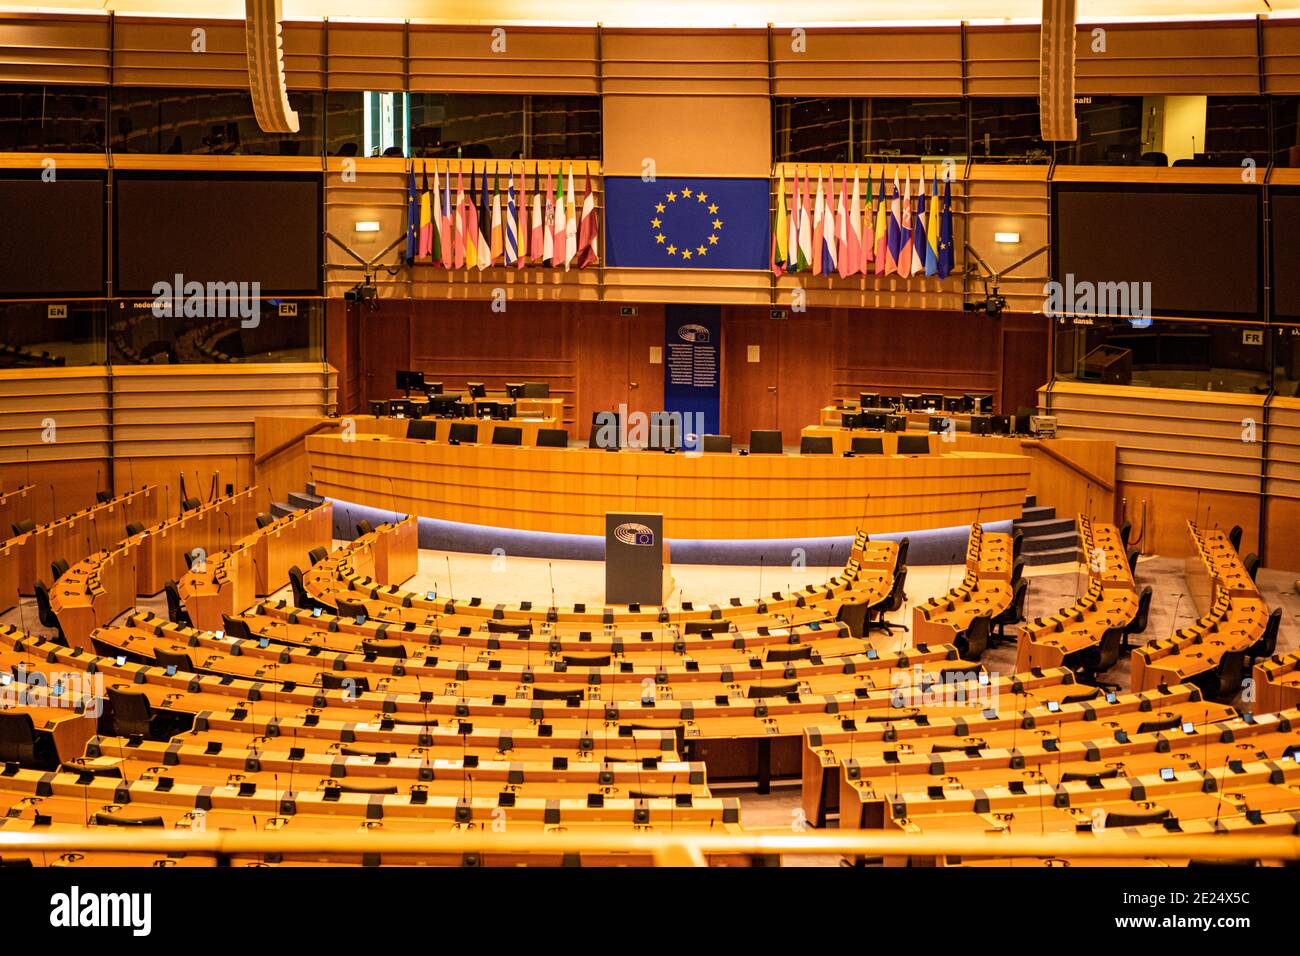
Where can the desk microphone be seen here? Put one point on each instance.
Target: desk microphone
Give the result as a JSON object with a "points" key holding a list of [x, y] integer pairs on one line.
{"points": [[392, 491], [54, 503], [451, 591], [760, 576]]}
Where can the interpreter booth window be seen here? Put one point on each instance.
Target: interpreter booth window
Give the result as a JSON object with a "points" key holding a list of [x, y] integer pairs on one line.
{"points": [[562, 127], [1285, 356], [930, 129], [1203, 356], [1006, 129], [53, 118], [813, 129], [1110, 133], [200, 121], [467, 125], [1286, 130], [282, 330], [51, 334]]}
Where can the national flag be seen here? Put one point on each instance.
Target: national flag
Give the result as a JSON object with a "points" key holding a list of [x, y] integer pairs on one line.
{"points": [[498, 239], [484, 225], [792, 227], [844, 260], [805, 228], [559, 225], [918, 228], [932, 230], [818, 227], [447, 223], [882, 228], [588, 228], [570, 222], [905, 230], [548, 227], [868, 231], [460, 219], [946, 251], [435, 251], [855, 231], [412, 218], [511, 249], [894, 242], [426, 215], [471, 224], [535, 243], [780, 229], [522, 259]]}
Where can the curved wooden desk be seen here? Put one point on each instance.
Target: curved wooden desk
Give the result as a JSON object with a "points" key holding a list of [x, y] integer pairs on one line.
{"points": [[568, 490]]}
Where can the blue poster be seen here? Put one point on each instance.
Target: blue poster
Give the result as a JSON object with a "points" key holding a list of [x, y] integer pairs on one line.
{"points": [[693, 368], [687, 223]]}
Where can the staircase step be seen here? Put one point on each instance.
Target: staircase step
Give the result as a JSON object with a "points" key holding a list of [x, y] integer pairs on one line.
{"points": [[1037, 513], [1057, 556], [1031, 500], [1050, 542], [279, 509], [303, 500], [1044, 526]]}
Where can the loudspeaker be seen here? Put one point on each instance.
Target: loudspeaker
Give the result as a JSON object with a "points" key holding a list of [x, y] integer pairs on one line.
{"points": [[1056, 72]]}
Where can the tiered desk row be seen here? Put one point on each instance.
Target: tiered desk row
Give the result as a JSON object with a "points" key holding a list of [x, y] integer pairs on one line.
{"points": [[1233, 618], [1109, 602], [986, 590]]}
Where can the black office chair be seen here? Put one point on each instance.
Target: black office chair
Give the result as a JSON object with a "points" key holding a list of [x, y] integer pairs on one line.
{"points": [[23, 744], [552, 438], [974, 641], [1092, 661], [1267, 642], [176, 611], [316, 555], [423, 429], [1132, 560], [717, 444], [1223, 683], [131, 715], [236, 627], [1017, 543], [189, 560], [816, 445], [507, 435], [45, 612], [183, 663], [765, 442], [1251, 563], [1017, 571], [855, 616], [1014, 614], [58, 568], [301, 598], [865, 445], [913, 444], [364, 528], [463, 432], [1125, 531], [1234, 538], [891, 602], [1139, 623], [264, 519], [133, 528], [191, 504], [103, 497], [26, 526]]}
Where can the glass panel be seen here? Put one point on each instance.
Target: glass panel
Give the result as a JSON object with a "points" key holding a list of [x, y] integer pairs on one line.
{"points": [[1236, 129], [137, 337], [909, 128], [215, 122], [1285, 358], [564, 127], [60, 119], [1111, 131], [1007, 128], [812, 130], [45, 334], [471, 125], [1205, 356], [1286, 131]]}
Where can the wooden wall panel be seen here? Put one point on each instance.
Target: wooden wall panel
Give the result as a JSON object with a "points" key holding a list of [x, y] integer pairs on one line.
{"points": [[862, 61], [47, 48], [448, 59], [160, 52], [1002, 60], [1281, 56], [715, 135], [1152, 58], [685, 63], [304, 54], [366, 56]]}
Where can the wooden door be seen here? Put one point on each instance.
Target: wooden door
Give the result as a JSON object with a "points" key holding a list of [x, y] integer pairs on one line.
{"points": [[751, 369]]}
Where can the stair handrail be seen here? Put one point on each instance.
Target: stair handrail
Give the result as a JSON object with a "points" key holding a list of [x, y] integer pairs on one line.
{"points": [[289, 443], [1068, 462]]}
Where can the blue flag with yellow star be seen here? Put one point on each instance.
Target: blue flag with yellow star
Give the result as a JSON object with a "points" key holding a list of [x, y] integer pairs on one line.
{"points": [[685, 223]]}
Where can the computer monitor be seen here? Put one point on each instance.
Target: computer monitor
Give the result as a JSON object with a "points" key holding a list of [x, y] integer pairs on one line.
{"points": [[401, 408], [463, 410], [423, 429], [941, 424], [476, 389], [504, 411], [931, 400], [868, 399], [1001, 424], [911, 402], [514, 389], [895, 423], [954, 403], [379, 409], [981, 425], [507, 435], [874, 420], [537, 389], [765, 442], [979, 404], [444, 404], [409, 380], [433, 388], [463, 432], [914, 444], [851, 420], [891, 401]]}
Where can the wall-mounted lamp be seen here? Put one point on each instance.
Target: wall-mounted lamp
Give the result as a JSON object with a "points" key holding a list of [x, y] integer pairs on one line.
{"points": [[372, 225], [1005, 238]]}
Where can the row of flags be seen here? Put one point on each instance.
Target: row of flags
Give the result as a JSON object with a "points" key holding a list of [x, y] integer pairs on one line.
{"points": [[488, 228], [903, 235]]}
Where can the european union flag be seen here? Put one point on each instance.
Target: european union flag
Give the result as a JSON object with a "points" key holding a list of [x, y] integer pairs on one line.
{"points": [[687, 223]]}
